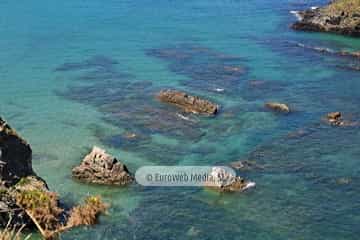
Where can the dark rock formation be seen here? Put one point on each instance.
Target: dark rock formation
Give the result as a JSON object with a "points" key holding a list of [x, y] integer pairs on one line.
{"points": [[279, 107], [340, 16], [15, 156], [101, 168], [101, 62], [188, 103], [25, 200], [16, 173]]}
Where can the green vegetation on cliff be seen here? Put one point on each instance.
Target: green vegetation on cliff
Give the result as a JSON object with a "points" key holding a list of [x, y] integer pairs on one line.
{"points": [[346, 11], [348, 7], [339, 16]]}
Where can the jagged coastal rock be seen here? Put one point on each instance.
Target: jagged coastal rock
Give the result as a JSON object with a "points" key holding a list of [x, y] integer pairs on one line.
{"points": [[15, 156], [340, 16], [25, 199], [99, 167], [223, 181], [15, 170], [278, 107], [188, 103]]}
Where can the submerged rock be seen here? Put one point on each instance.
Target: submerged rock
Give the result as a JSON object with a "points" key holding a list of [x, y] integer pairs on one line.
{"points": [[343, 181], [100, 167], [98, 61], [245, 165], [188, 103], [340, 16], [205, 69], [279, 107], [326, 50]]}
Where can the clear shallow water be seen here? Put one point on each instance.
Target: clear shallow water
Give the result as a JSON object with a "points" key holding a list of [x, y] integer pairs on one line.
{"points": [[76, 74]]}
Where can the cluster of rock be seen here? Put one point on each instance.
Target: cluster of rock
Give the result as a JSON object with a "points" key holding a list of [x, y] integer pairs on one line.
{"points": [[99, 167], [340, 16], [188, 103], [336, 119]]}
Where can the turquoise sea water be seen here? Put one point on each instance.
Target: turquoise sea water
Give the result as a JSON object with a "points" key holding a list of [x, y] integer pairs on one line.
{"points": [[78, 73]]}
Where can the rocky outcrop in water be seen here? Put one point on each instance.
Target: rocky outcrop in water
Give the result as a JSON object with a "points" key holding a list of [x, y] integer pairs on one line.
{"points": [[340, 16], [278, 107], [188, 103], [99, 167], [223, 181], [336, 119]]}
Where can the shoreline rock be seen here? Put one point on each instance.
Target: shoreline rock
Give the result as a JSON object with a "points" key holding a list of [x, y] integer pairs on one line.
{"points": [[188, 103], [15, 156], [340, 17], [25, 199], [15, 166], [99, 167]]}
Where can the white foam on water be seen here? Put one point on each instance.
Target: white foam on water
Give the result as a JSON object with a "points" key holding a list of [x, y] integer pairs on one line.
{"points": [[249, 185], [219, 89], [183, 117], [297, 15]]}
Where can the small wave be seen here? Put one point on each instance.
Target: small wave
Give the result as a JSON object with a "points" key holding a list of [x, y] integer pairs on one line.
{"points": [[183, 117], [186, 118], [321, 49], [219, 89], [297, 15], [249, 185]]}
